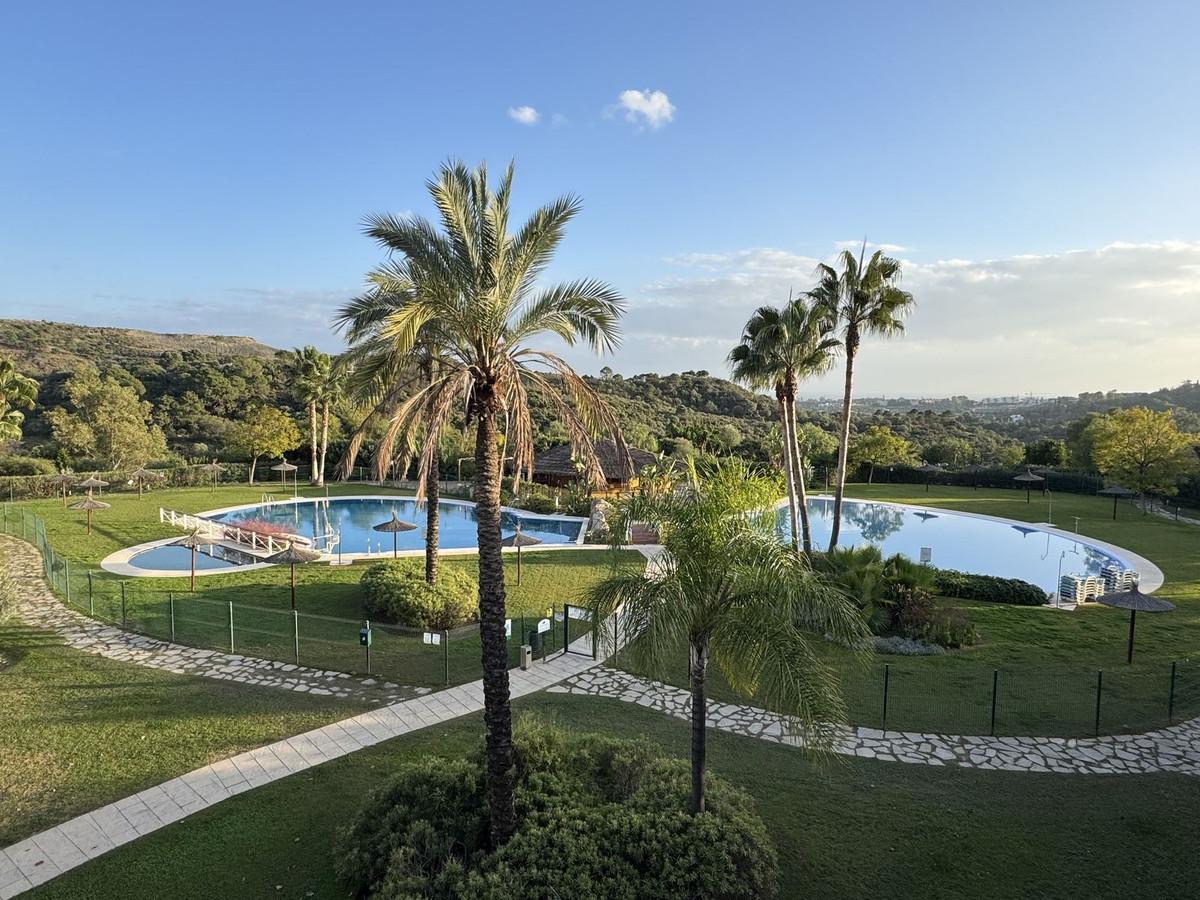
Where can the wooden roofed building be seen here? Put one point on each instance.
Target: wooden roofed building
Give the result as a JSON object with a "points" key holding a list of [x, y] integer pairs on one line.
{"points": [[556, 467]]}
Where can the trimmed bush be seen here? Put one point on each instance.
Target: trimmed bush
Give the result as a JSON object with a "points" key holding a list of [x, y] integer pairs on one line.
{"points": [[990, 588], [599, 818], [397, 591], [26, 465]]}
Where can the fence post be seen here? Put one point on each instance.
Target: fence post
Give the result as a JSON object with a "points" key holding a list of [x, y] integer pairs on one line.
{"points": [[1099, 686], [296, 632], [230, 626], [887, 676], [1171, 697], [995, 677], [122, 605], [91, 599], [171, 601], [67, 579], [368, 621], [446, 657]]}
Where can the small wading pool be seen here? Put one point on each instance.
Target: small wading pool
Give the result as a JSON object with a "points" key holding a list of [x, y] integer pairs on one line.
{"points": [[173, 557]]}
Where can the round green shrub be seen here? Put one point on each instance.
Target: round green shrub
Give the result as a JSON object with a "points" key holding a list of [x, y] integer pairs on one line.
{"points": [[397, 590], [599, 818]]}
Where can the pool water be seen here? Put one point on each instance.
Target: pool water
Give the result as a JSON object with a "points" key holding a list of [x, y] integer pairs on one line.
{"points": [[345, 523], [174, 558], [955, 541]]}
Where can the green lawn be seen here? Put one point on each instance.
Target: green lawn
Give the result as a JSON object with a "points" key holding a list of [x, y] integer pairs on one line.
{"points": [[328, 597], [844, 828], [78, 731], [1047, 660]]}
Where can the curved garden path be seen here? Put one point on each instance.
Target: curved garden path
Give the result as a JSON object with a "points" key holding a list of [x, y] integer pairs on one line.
{"points": [[1175, 749], [49, 853]]}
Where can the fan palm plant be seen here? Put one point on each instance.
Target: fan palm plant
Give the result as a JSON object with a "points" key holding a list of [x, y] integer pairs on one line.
{"points": [[863, 297], [779, 349], [310, 372], [471, 290], [17, 392], [727, 588]]}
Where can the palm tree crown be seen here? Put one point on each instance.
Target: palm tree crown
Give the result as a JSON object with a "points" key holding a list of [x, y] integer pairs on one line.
{"points": [[863, 299], [469, 293], [779, 349], [17, 392], [728, 589]]}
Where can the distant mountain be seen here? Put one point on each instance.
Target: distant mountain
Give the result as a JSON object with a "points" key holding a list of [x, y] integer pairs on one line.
{"points": [[47, 348]]}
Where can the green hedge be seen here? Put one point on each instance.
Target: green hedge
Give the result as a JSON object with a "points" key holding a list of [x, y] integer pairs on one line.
{"points": [[599, 818], [397, 591], [990, 588]]}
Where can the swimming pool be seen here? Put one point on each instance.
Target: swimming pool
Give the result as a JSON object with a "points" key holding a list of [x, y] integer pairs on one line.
{"points": [[983, 545], [345, 524]]}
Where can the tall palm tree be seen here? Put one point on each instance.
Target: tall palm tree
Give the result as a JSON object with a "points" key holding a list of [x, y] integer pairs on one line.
{"points": [[727, 588], [17, 392], [330, 388], [310, 372], [864, 298], [780, 348], [473, 286]]}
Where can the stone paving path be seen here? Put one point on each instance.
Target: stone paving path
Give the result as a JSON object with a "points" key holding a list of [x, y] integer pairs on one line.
{"points": [[1175, 749], [39, 607]]}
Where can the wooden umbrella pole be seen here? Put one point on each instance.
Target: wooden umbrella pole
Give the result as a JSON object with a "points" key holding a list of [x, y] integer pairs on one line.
{"points": [[1132, 621]]}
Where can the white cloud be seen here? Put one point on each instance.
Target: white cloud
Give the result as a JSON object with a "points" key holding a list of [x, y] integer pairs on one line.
{"points": [[1050, 324], [526, 115], [871, 246], [650, 108]]}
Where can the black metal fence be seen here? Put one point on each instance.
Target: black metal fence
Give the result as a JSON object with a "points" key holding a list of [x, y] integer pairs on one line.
{"points": [[395, 653]]}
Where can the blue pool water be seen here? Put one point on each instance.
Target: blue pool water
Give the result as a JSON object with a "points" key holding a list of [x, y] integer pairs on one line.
{"points": [[966, 543], [169, 557], [350, 519]]}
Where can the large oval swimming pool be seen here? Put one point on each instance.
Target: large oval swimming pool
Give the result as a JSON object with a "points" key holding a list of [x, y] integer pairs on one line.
{"points": [[982, 545]]}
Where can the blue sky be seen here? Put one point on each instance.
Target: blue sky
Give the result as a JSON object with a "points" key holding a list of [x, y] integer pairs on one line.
{"points": [[206, 167]]}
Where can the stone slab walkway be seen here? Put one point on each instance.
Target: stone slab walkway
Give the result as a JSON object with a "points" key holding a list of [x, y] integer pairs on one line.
{"points": [[1175, 749], [41, 608]]}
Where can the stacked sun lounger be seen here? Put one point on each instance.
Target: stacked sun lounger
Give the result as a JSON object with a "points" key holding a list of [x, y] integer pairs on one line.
{"points": [[1118, 579], [1079, 588]]}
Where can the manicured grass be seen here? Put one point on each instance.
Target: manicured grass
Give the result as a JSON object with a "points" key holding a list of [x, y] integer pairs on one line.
{"points": [[78, 731], [327, 597], [843, 828], [1047, 660]]}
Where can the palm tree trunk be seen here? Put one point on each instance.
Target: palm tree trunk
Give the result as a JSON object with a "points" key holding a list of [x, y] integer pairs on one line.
{"points": [[798, 478], [433, 489], [324, 441], [312, 440], [844, 438], [699, 667], [497, 713], [789, 471], [253, 465]]}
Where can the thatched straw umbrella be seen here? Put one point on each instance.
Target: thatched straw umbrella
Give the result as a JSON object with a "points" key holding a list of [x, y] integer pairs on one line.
{"points": [[1027, 481], [141, 475], [213, 468], [283, 468], [193, 541], [293, 555], [93, 482], [394, 526], [519, 540], [974, 469], [62, 479], [90, 503], [1134, 601], [930, 470], [1117, 492]]}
